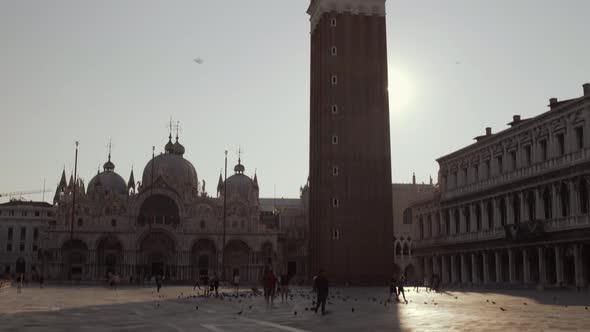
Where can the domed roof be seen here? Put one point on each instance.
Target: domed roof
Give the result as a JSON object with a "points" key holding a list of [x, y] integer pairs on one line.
{"points": [[172, 166], [239, 182], [107, 181]]}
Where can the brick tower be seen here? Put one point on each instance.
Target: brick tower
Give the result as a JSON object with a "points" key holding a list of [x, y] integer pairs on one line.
{"points": [[351, 223]]}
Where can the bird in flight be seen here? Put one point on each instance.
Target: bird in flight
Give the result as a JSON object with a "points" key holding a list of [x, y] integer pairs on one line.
{"points": [[198, 60]]}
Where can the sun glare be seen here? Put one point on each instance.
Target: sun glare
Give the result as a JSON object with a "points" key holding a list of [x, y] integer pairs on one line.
{"points": [[401, 90]]}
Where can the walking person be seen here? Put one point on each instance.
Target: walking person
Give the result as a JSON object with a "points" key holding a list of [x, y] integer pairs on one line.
{"points": [[158, 282], [205, 282], [270, 284], [237, 282], [393, 290], [284, 287], [19, 283], [216, 284], [321, 286], [196, 285], [400, 288], [41, 281]]}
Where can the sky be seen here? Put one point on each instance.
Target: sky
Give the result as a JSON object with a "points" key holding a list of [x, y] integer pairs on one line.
{"points": [[94, 71]]}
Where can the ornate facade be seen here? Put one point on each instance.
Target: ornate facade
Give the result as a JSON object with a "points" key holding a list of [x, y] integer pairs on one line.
{"points": [[513, 208], [167, 223]]}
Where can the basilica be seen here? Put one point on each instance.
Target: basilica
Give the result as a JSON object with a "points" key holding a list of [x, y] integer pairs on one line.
{"points": [[168, 224]]}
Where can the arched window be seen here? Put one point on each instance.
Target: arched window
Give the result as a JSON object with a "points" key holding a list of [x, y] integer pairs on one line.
{"points": [[408, 216], [490, 213], [467, 219], [516, 208], [547, 206], [406, 251], [583, 197], [564, 197], [478, 217], [531, 202], [503, 212], [398, 249]]}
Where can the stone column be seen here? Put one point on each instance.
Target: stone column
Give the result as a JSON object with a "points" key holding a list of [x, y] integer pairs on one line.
{"points": [[498, 257], [542, 271], [555, 208], [539, 211], [427, 267], [441, 226], [464, 271], [497, 216], [526, 266], [511, 266], [558, 265], [522, 207], [435, 265], [579, 267], [435, 224], [510, 208], [445, 269], [486, 268], [475, 278], [573, 190], [485, 223], [462, 220], [454, 276]]}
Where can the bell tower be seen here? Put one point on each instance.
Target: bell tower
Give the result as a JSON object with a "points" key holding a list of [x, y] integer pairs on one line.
{"points": [[351, 222]]}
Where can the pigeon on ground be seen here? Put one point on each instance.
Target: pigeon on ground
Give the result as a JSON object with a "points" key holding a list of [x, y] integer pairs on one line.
{"points": [[240, 312], [502, 309], [197, 308], [295, 313], [524, 303], [455, 297], [493, 302], [352, 309]]}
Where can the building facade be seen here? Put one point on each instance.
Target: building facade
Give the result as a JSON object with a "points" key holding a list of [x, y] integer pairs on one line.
{"points": [[165, 224], [513, 208], [350, 155], [403, 224], [23, 227]]}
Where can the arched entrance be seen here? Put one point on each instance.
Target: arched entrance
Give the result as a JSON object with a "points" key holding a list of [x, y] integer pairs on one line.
{"points": [[203, 258], [109, 256], [410, 273], [159, 209], [237, 260], [74, 254], [158, 254]]}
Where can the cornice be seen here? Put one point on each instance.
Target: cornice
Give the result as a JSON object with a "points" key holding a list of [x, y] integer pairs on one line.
{"points": [[317, 8]]}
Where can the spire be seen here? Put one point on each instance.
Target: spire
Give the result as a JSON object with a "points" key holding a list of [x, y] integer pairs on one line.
{"points": [[220, 183], [109, 166], [431, 180], [255, 180], [239, 168], [62, 183], [71, 183], [413, 178], [169, 147], [131, 182]]}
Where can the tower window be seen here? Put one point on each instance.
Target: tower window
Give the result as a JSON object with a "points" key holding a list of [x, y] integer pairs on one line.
{"points": [[334, 80], [334, 139], [335, 202], [334, 109], [114, 222], [80, 222], [579, 138], [203, 224], [335, 234], [335, 170], [334, 50], [333, 22]]}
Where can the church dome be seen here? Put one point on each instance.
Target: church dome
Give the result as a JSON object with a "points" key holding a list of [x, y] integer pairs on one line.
{"points": [[107, 181], [173, 168], [239, 182]]}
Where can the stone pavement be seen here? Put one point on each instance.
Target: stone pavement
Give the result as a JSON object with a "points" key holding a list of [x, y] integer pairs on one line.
{"points": [[140, 309]]}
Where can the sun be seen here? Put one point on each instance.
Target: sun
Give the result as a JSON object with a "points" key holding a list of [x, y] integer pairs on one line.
{"points": [[401, 90]]}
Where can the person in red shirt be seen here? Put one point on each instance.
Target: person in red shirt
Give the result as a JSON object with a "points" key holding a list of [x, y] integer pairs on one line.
{"points": [[270, 284]]}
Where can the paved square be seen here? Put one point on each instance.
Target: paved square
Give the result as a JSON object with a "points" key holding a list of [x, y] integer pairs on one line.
{"points": [[140, 309]]}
